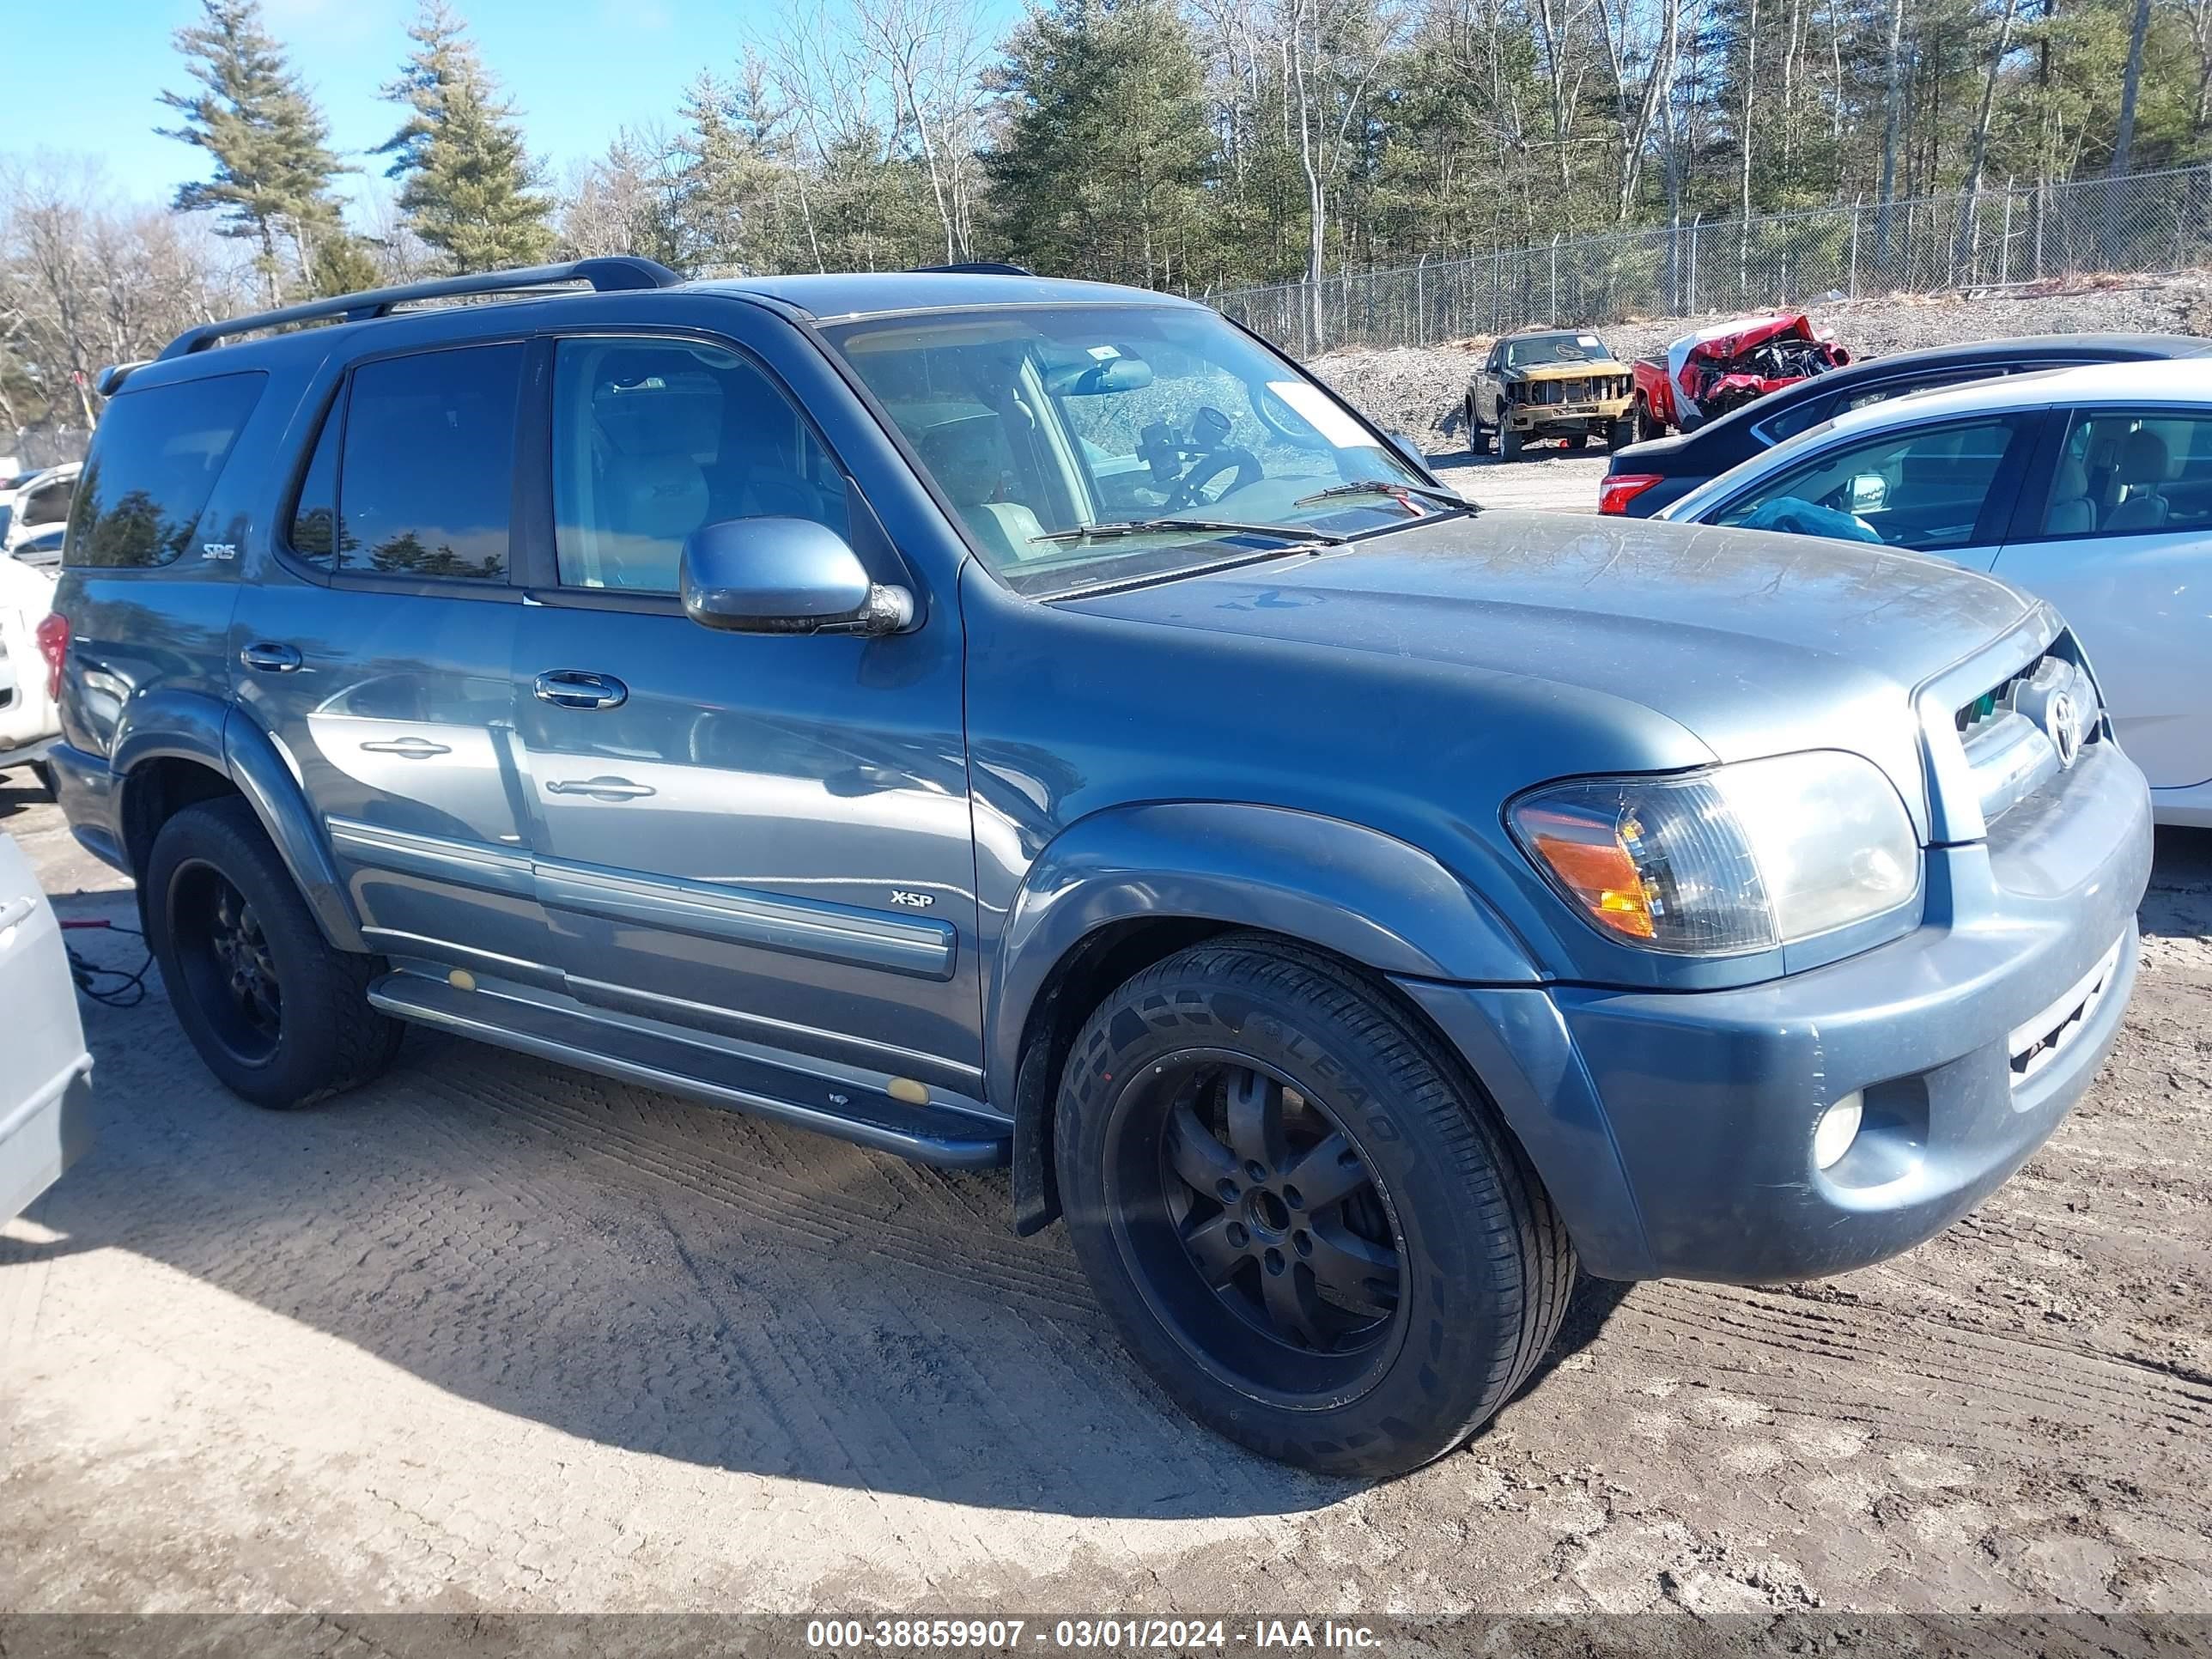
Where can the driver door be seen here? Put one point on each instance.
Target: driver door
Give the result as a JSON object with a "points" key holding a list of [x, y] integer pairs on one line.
{"points": [[1489, 386], [764, 836], [1946, 489]]}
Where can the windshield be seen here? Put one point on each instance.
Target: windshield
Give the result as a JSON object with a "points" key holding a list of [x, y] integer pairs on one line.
{"points": [[1555, 349], [1040, 424]]}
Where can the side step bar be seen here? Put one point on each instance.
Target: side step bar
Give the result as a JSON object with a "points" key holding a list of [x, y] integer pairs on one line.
{"points": [[702, 1067]]}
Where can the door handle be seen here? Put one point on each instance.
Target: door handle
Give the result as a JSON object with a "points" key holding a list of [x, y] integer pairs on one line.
{"points": [[598, 789], [267, 657], [14, 911], [571, 687], [407, 748]]}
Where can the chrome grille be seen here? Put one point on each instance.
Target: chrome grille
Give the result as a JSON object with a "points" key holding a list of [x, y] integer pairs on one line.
{"points": [[2011, 733]]}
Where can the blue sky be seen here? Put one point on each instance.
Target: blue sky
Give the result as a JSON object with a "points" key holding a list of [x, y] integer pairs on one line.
{"points": [[579, 69]]}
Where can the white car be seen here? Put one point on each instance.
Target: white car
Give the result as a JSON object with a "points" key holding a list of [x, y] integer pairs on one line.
{"points": [[46, 1080], [40, 505], [2090, 486], [29, 721]]}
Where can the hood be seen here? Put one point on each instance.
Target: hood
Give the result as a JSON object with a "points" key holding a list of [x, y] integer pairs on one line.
{"points": [[1752, 643], [1573, 371], [1718, 342]]}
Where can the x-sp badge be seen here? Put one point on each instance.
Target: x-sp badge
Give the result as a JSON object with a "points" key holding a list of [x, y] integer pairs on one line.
{"points": [[912, 900]]}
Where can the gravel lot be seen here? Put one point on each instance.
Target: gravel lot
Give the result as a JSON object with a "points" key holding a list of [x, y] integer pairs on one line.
{"points": [[1418, 389], [493, 1335]]}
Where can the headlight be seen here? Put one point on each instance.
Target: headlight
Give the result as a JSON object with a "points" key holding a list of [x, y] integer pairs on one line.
{"points": [[1739, 858]]}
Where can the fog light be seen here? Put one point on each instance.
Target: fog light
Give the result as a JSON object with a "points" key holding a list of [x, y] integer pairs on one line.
{"points": [[1838, 1126]]}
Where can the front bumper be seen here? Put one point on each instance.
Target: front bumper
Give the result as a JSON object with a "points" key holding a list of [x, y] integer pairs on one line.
{"points": [[1580, 417], [1675, 1130]]}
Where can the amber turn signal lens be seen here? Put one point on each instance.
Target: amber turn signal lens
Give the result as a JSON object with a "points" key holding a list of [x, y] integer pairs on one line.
{"points": [[1591, 860]]}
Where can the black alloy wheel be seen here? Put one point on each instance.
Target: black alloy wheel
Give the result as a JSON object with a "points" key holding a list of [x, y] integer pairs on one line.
{"points": [[1299, 1212], [228, 969], [1254, 1228], [278, 1013]]}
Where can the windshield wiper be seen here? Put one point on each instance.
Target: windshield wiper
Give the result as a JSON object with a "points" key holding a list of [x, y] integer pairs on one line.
{"points": [[1089, 532], [1388, 487]]}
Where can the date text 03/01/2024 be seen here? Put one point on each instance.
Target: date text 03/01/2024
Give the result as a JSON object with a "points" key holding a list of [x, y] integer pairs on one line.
{"points": [[1011, 1635]]}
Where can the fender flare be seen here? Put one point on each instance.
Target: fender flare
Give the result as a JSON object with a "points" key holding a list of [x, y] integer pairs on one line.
{"points": [[1346, 888], [177, 724]]}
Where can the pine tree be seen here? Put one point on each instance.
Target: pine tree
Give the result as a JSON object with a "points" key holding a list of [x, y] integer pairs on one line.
{"points": [[269, 142], [1106, 141], [469, 187]]}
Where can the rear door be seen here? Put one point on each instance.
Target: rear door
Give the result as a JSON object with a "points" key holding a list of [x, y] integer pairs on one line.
{"points": [[766, 836], [379, 650], [2120, 537]]}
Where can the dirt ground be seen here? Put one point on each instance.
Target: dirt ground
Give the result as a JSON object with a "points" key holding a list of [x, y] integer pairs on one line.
{"points": [[491, 1336]]}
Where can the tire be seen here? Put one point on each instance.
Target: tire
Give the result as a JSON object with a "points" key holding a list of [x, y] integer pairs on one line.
{"points": [[1478, 436], [1622, 433], [43, 771], [1644, 426], [1430, 1273], [282, 1018], [1508, 444]]}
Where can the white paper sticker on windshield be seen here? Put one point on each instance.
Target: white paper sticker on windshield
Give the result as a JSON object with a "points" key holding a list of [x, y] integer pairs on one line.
{"points": [[1103, 352], [1322, 413]]}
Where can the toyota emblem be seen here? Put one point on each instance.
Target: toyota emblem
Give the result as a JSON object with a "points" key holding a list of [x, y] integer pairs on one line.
{"points": [[2065, 727]]}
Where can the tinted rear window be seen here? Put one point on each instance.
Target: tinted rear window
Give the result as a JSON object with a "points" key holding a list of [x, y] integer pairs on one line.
{"points": [[426, 482], [153, 464]]}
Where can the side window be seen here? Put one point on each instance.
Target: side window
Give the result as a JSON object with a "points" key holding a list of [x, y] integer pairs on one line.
{"points": [[1801, 417], [653, 439], [49, 504], [2125, 474], [1922, 488], [426, 478], [154, 461], [315, 515]]}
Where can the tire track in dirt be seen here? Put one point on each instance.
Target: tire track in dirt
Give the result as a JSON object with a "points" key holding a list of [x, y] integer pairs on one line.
{"points": [[661, 1136], [1995, 1386]]}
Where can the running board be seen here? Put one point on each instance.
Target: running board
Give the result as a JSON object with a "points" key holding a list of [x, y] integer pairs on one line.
{"points": [[855, 1105]]}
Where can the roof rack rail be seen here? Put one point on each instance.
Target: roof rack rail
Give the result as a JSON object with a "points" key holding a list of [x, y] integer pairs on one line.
{"points": [[605, 276], [978, 268]]}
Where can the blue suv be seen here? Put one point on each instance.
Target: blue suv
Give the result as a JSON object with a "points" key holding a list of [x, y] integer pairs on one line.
{"points": [[1000, 720]]}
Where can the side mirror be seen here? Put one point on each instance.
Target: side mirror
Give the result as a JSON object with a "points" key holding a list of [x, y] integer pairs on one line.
{"points": [[1869, 491], [1404, 444], [784, 577]]}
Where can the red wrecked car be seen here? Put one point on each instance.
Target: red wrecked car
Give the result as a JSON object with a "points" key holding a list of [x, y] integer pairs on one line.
{"points": [[1726, 365]]}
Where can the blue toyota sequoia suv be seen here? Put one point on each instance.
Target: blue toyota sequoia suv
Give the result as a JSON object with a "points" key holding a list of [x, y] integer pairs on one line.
{"points": [[1009, 721]]}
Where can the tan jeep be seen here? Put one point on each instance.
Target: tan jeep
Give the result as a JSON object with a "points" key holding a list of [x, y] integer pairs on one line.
{"points": [[1560, 383]]}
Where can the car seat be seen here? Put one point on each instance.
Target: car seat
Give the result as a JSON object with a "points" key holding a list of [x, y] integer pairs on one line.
{"points": [[968, 473], [653, 503], [2144, 464], [2072, 512]]}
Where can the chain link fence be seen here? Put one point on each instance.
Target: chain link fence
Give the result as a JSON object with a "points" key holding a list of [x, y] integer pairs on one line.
{"points": [[2006, 236]]}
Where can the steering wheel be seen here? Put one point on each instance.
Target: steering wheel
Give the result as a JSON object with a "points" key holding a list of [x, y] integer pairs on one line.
{"points": [[1208, 467]]}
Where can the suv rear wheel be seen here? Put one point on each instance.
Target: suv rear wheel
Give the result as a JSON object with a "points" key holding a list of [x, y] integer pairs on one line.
{"points": [[280, 1017], [1306, 1225]]}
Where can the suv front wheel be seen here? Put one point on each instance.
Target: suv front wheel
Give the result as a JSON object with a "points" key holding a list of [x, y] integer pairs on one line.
{"points": [[277, 1014], [1304, 1221]]}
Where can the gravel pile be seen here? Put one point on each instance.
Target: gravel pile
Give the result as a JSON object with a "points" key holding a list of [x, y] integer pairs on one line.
{"points": [[1418, 389]]}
